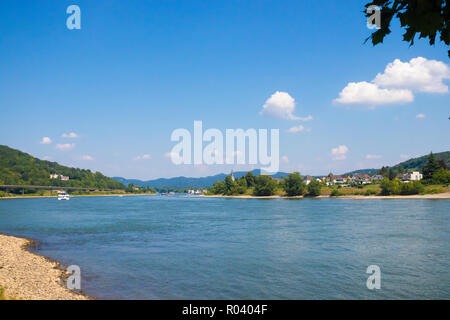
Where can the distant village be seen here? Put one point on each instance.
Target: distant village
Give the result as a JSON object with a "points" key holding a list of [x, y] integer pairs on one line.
{"points": [[359, 179], [340, 180], [197, 191], [356, 179]]}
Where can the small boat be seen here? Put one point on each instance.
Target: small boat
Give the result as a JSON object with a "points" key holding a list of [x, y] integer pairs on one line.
{"points": [[63, 196]]}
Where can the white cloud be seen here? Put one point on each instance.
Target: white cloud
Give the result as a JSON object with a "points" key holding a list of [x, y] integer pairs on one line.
{"points": [[65, 146], [418, 74], [280, 105], [143, 157], [295, 129], [397, 83], [420, 116], [369, 94], [87, 158], [405, 156], [339, 153], [373, 156], [71, 135], [47, 158], [46, 140], [285, 159]]}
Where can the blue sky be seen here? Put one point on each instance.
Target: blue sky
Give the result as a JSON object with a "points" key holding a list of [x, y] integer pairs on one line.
{"points": [[138, 70]]}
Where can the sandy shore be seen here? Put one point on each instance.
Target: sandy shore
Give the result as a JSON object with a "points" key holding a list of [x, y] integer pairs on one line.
{"points": [[28, 276], [445, 195]]}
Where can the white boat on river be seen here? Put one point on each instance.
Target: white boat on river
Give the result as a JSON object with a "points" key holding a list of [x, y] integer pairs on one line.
{"points": [[63, 196]]}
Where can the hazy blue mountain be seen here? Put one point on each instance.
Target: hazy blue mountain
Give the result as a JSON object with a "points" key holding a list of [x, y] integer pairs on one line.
{"points": [[185, 182]]}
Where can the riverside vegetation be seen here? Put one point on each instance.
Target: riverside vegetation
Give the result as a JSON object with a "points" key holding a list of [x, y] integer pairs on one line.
{"points": [[436, 178], [264, 185], [19, 168]]}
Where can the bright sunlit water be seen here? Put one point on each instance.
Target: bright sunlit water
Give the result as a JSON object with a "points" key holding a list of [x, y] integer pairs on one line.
{"points": [[154, 247]]}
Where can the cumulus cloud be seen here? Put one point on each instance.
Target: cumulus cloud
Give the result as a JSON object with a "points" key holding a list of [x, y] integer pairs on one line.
{"points": [[280, 105], [339, 153], [65, 146], [397, 83], [295, 129], [366, 93], [87, 158], [285, 159], [46, 140], [143, 157], [405, 156], [373, 156], [71, 135], [420, 116], [418, 74]]}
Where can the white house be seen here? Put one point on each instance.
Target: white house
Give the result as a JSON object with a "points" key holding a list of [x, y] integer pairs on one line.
{"points": [[308, 179], [413, 176]]}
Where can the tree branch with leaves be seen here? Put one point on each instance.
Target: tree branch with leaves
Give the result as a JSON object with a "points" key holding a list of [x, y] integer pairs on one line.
{"points": [[425, 18]]}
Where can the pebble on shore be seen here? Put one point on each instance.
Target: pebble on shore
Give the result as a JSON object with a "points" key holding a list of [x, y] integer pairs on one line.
{"points": [[28, 276]]}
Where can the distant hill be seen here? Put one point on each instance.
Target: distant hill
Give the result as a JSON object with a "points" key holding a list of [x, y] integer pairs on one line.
{"points": [[185, 182], [411, 164], [362, 171], [204, 182], [418, 163], [20, 168]]}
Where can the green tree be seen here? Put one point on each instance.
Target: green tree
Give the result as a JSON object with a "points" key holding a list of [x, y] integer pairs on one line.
{"points": [[293, 184], [384, 171], [412, 187], [241, 185], [426, 18], [431, 167], [442, 176], [251, 179], [314, 188], [130, 188], [392, 173], [390, 187], [219, 187], [442, 164], [264, 186], [230, 184]]}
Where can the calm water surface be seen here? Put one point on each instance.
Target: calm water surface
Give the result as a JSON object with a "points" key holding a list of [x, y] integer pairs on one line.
{"points": [[152, 247]]}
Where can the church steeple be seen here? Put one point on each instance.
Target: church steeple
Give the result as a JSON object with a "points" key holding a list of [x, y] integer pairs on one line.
{"points": [[232, 175]]}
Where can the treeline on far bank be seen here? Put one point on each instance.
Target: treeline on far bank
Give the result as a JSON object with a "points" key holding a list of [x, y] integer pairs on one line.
{"points": [[435, 173], [264, 185]]}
